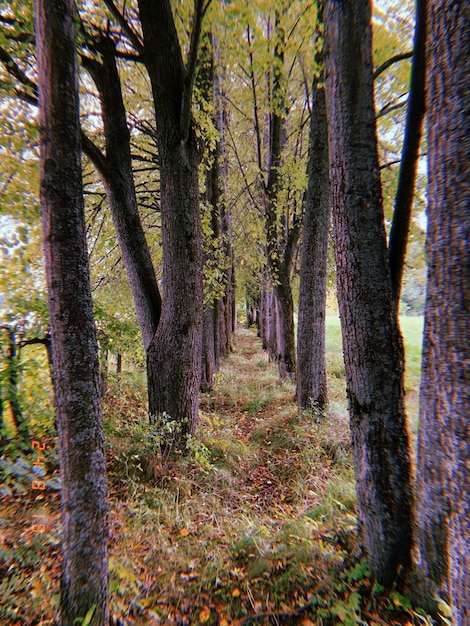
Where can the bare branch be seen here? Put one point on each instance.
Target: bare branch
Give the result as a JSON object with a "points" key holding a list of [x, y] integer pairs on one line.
{"points": [[388, 108], [124, 24], [395, 59], [255, 105], [14, 70]]}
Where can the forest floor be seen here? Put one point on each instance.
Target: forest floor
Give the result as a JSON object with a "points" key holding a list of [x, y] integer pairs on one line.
{"points": [[256, 525]]}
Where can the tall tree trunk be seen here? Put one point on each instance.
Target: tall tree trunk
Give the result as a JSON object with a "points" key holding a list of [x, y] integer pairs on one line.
{"points": [[174, 356], [225, 308], [118, 179], [311, 347], [443, 511], [84, 491], [372, 344], [410, 154], [280, 245]]}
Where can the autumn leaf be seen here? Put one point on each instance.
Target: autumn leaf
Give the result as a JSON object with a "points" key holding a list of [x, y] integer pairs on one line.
{"points": [[236, 593], [184, 532], [204, 615]]}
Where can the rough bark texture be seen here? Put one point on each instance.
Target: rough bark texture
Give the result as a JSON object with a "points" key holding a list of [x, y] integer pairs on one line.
{"points": [[118, 180], [443, 516], [372, 344], [174, 356], [410, 154], [311, 359], [82, 462]]}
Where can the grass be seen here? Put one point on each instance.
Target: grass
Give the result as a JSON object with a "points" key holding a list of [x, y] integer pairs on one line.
{"points": [[256, 525]]}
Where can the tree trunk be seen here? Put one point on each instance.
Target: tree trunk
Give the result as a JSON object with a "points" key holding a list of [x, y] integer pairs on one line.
{"points": [[271, 325], [280, 245], [311, 350], [118, 179], [174, 355], [372, 344], [443, 511], [84, 491], [410, 154], [208, 348], [12, 358], [263, 313], [286, 332]]}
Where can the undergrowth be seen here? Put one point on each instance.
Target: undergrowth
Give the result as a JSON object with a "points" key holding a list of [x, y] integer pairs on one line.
{"points": [[255, 525]]}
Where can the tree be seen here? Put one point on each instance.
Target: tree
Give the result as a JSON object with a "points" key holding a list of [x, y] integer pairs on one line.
{"points": [[443, 510], [281, 237], [270, 113], [311, 360], [373, 349], [84, 585], [400, 228], [115, 169], [174, 356]]}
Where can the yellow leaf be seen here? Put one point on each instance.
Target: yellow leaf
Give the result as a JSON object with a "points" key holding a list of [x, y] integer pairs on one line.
{"points": [[223, 622], [236, 593], [184, 532], [204, 615]]}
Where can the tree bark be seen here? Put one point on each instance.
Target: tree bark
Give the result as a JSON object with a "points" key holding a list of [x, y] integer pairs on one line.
{"points": [[174, 356], [84, 491], [443, 509], [311, 347], [118, 179], [410, 155], [372, 344]]}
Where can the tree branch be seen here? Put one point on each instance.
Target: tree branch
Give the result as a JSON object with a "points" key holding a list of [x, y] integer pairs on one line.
{"points": [[395, 59], [255, 106], [124, 24], [95, 155], [14, 70], [190, 72], [388, 108]]}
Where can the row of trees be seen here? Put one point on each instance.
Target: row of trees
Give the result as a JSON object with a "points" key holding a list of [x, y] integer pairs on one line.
{"points": [[186, 330]]}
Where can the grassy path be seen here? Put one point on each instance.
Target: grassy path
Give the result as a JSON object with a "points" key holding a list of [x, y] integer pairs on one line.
{"points": [[255, 525]]}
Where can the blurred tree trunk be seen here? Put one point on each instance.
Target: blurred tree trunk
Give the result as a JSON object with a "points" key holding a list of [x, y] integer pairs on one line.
{"points": [[373, 348], [84, 490], [443, 511]]}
